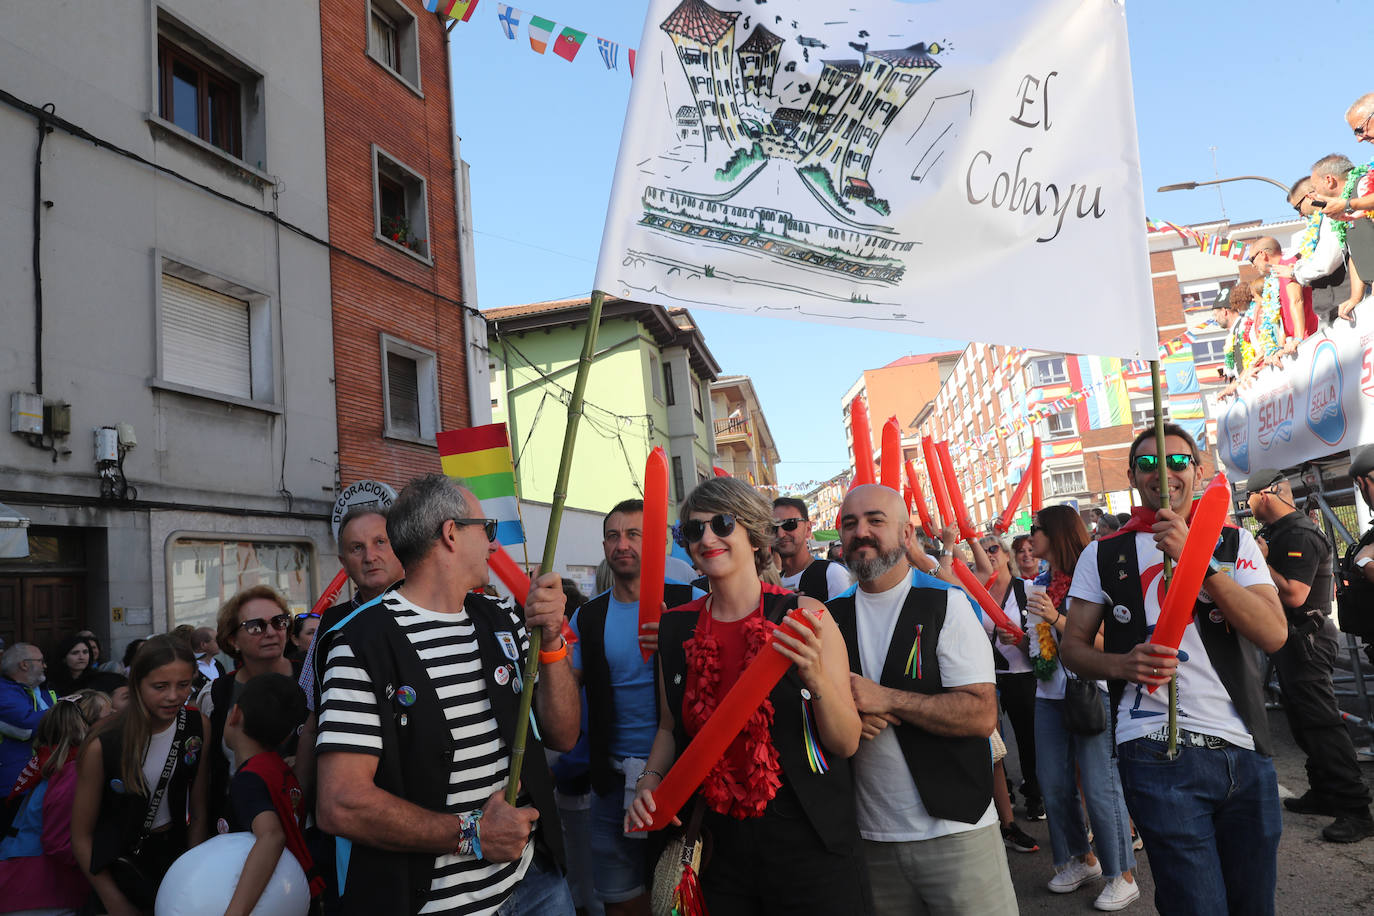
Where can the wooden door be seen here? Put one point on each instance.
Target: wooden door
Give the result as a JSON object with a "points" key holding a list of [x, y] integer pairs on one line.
{"points": [[41, 609]]}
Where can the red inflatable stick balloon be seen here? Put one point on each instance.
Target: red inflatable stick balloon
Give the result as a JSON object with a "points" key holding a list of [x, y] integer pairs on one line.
{"points": [[937, 484], [653, 547], [720, 472], [725, 724], [1203, 530], [906, 497], [892, 455], [1032, 470], [990, 607], [1037, 482], [863, 442], [510, 574], [331, 592], [956, 496], [920, 499]]}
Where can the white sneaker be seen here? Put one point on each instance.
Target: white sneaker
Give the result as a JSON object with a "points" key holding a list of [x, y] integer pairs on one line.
{"points": [[1073, 876], [1117, 895]]}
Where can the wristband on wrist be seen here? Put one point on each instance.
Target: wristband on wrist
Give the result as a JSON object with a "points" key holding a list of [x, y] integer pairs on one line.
{"points": [[469, 826], [556, 655], [649, 773]]}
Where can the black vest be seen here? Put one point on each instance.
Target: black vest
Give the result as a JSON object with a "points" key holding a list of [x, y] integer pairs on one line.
{"points": [[813, 582], [417, 752], [1232, 656], [1018, 588], [596, 680], [953, 775], [122, 813], [827, 798], [1355, 593]]}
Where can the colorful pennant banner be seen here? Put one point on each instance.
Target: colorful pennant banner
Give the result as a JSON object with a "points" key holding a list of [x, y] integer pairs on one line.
{"points": [[541, 31]]}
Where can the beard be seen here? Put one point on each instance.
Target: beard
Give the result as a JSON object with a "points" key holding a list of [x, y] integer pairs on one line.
{"points": [[866, 570]]}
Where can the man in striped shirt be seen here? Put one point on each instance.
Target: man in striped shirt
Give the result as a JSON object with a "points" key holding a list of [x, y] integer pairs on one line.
{"points": [[416, 723]]}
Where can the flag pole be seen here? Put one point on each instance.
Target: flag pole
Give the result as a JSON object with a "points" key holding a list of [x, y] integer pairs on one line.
{"points": [[1168, 572], [560, 496]]}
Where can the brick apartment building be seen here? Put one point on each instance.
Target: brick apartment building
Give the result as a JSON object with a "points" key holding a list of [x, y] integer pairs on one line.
{"points": [[401, 267], [1084, 444], [900, 389]]}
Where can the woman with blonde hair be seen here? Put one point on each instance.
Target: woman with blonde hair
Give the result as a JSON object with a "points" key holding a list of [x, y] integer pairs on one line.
{"points": [[254, 628], [140, 782], [779, 804]]}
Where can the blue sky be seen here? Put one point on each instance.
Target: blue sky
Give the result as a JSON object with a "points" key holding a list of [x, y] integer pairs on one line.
{"points": [[542, 134]]}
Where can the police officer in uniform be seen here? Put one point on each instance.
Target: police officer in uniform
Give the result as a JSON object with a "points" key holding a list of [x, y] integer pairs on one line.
{"points": [[1355, 575], [1299, 558]]}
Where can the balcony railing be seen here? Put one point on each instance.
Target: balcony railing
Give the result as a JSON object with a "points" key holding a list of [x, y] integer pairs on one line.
{"points": [[735, 426]]}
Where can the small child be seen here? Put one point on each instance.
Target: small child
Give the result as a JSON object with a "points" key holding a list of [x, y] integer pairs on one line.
{"points": [[264, 796]]}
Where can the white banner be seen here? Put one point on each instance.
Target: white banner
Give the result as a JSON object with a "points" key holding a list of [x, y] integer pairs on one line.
{"points": [[1318, 403], [948, 168]]}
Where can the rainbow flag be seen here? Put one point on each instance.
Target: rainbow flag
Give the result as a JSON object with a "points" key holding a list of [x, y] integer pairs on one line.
{"points": [[481, 458]]}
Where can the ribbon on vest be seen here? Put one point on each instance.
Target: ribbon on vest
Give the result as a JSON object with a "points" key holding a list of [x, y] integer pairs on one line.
{"points": [[1208, 517], [652, 556], [755, 683]]}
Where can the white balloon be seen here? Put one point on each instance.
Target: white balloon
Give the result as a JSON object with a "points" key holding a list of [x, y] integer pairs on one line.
{"points": [[202, 881]]}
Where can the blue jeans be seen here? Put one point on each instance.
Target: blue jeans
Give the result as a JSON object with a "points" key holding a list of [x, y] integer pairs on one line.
{"points": [[1211, 822], [542, 892], [619, 862], [1062, 760]]}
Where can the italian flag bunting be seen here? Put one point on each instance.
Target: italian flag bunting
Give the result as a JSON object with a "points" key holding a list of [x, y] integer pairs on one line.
{"points": [[540, 29], [569, 43]]}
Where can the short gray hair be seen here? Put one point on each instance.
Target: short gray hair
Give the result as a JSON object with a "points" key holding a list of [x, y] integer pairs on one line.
{"points": [[13, 657], [415, 519], [1332, 164], [1361, 107], [351, 516]]}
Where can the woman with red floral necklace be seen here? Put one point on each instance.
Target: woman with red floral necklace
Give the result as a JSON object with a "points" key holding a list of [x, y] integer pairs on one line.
{"points": [[1064, 760], [779, 803]]}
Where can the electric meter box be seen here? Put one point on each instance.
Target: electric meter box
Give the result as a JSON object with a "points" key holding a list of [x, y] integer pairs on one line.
{"points": [[107, 444], [26, 413]]}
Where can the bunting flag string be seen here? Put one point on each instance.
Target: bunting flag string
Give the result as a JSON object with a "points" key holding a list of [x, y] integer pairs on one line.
{"points": [[1206, 242], [541, 31]]}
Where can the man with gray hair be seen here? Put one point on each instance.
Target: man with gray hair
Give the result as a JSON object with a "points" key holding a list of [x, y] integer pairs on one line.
{"points": [[923, 679], [1352, 207], [1320, 264], [22, 705], [417, 720]]}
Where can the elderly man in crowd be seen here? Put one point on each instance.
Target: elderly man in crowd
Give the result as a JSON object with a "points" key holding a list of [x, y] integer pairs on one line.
{"points": [[22, 704], [1330, 176], [1320, 261], [417, 722]]}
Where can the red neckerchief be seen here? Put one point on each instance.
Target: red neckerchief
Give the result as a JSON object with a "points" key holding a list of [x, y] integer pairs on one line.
{"points": [[1143, 519], [739, 792], [29, 777]]}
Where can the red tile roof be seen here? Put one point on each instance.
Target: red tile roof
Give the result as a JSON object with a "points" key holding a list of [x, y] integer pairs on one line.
{"points": [[760, 41], [917, 358], [913, 56], [696, 20]]}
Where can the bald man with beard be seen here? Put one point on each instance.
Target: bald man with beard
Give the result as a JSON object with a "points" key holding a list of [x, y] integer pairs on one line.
{"points": [[923, 679]]}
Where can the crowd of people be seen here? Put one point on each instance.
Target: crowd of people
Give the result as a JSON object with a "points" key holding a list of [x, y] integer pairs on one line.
{"points": [[373, 744], [1322, 280]]}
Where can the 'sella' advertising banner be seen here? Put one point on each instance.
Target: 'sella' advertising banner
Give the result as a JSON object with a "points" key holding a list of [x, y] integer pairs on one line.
{"points": [[947, 168], [1318, 403]]}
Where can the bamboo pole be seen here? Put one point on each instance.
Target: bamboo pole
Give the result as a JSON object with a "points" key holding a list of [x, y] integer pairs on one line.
{"points": [[1158, 393], [560, 496]]}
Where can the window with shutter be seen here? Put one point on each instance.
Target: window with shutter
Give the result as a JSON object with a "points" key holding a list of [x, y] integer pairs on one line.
{"points": [[403, 387], [206, 339]]}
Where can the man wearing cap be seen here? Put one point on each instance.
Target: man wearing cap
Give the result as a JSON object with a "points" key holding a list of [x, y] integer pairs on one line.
{"points": [[1299, 559], [1355, 575], [804, 574]]}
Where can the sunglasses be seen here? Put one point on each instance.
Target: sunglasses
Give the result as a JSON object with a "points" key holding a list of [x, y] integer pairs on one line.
{"points": [[991, 548], [1148, 463], [488, 526], [787, 524], [1360, 131], [1035, 528], [694, 529], [258, 625], [307, 616]]}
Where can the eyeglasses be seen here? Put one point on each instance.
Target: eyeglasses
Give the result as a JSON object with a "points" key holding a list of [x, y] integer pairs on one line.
{"points": [[36, 660], [307, 616], [1148, 463], [1035, 528], [991, 548], [787, 524], [1360, 131], [488, 525], [258, 625], [694, 529]]}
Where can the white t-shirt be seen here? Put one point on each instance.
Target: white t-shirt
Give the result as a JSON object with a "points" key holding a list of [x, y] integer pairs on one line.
{"points": [[887, 803], [837, 580], [1204, 706], [1017, 660], [154, 762]]}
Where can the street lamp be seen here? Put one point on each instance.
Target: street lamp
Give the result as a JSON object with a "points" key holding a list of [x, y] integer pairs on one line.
{"points": [[1190, 185]]}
